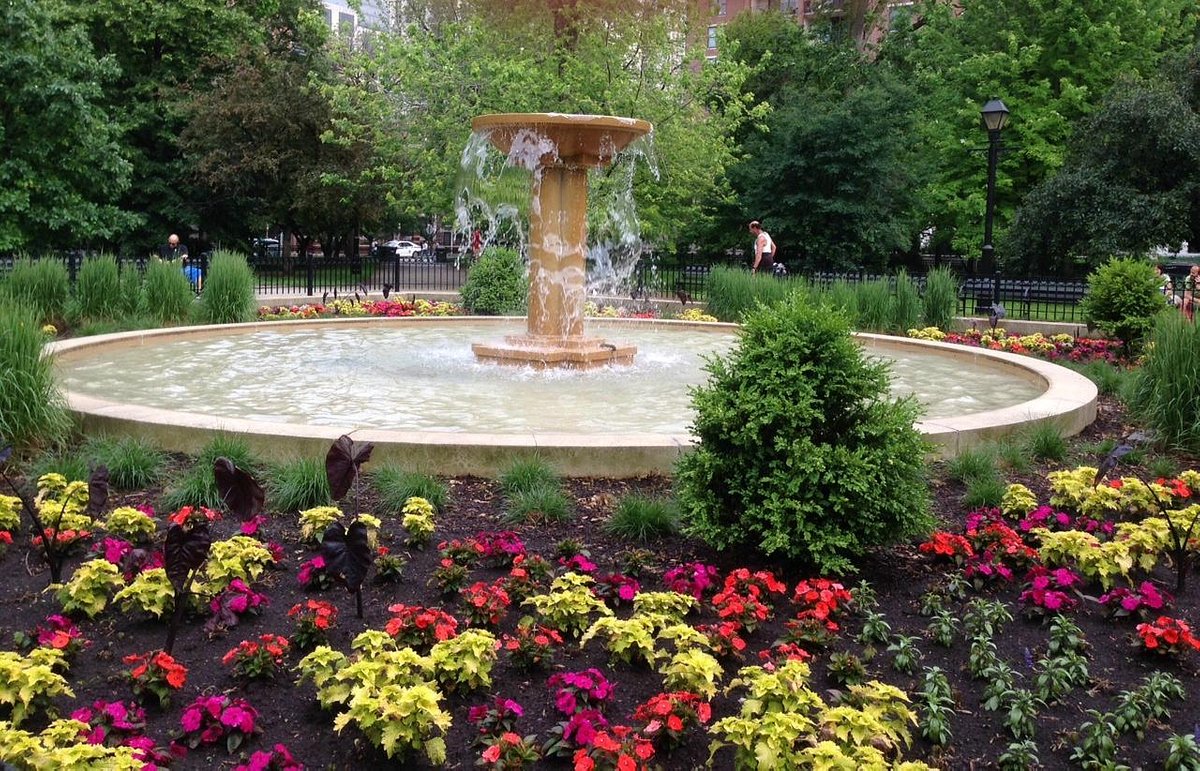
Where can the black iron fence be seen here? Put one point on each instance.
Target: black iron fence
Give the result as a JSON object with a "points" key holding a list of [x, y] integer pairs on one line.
{"points": [[1047, 299]]}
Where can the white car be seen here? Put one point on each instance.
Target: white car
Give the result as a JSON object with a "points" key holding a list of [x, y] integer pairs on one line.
{"points": [[403, 250]]}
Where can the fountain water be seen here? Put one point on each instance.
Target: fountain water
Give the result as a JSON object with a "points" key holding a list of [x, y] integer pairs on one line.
{"points": [[559, 150]]}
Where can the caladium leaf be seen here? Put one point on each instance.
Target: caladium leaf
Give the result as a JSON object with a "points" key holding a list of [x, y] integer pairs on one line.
{"points": [[240, 491], [1110, 462], [185, 551], [97, 490], [342, 463], [347, 553]]}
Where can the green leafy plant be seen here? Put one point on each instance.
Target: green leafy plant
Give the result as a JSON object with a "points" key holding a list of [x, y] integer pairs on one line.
{"points": [[906, 303], [906, 656], [875, 629], [942, 628], [28, 684], [936, 707], [418, 521], [627, 639], [395, 486], [228, 296], [496, 284], [42, 286], [98, 290], [1020, 717], [298, 484], [693, 670], [1123, 298], [1019, 756], [1183, 753], [819, 466], [940, 299], [1165, 392], [972, 464], [90, 588], [1045, 442], [399, 719], [1096, 742], [529, 473], [544, 503], [642, 518], [846, 668], [132, 462], [569, 604], [167, 296], [150, 592], [32, 410]]}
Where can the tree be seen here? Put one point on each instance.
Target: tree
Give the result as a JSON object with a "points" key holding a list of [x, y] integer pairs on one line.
{"points": [[63, 170], [1128, 185], [1051, 61]]}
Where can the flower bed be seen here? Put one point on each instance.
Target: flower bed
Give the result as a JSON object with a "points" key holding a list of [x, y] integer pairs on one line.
{"points": [[1060, 347]]}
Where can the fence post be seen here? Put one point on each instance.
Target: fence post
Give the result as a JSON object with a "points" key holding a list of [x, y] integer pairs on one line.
{"points": [[72, 266], [310, 277], [996, 288]]}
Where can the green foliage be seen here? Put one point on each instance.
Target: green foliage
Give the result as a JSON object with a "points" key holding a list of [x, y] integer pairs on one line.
{"points": [[98, 290], [693, 670], [64, 164], [1166, 389], [399, 719], [1045, 442], [906, 305], [1110, 379], [975, 463], [465, 661], [641, 518], [29, 683], [544, 503], [89, 588], [1123, 300], [801, 451], [313, 522], [131, 524], [228, 296], [731, 293], [984, 491], [42, 286], [69, 462], [196, 486], [32, 411], [132, 462], [238, 557], [298, 484], [876, 306], [496, 285], [940, 300], [395, 486], [167, 296], [628, 640], [569, 604], [57, 746], [527, 474], [150, 592], [418, 521]]}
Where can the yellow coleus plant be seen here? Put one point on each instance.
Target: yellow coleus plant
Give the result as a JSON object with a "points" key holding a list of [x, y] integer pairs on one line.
{"points": [[1018, 500]]}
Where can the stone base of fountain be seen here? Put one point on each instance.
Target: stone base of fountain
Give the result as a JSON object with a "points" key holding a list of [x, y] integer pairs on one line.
{"points": [[550, 352]]}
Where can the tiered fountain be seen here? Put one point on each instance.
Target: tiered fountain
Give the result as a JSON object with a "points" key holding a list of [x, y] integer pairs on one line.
{"points": [[559, 150]]}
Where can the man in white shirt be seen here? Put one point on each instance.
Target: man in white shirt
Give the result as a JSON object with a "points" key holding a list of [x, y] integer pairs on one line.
{"points": [[764, 249]]}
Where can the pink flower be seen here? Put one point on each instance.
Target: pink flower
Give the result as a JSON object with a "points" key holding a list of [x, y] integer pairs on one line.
{"points": [[190, 719]]}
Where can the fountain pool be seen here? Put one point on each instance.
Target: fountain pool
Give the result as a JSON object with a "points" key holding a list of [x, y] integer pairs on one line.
{"points": [[414, 388]]}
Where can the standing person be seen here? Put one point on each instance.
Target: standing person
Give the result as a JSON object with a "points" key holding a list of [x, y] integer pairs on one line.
{"points": [[1190, 284], [172, 249], [764, 249], [1165, 286]]}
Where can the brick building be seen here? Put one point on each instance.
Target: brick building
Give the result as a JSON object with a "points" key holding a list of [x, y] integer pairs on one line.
{"points": [[865, 20]]}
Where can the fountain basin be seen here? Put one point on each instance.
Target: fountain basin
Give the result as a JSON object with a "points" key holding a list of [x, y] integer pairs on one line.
{"points": [[183, 422]]}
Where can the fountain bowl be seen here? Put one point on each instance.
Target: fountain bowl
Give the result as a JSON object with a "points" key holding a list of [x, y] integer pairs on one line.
{"points": [[1067, 400]]}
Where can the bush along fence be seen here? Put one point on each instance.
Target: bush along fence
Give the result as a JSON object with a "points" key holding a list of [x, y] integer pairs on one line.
{"points": [[1037, 298]]}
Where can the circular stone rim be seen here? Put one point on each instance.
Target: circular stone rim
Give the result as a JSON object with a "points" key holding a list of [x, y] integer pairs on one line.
{"points": [[1068, 402]]}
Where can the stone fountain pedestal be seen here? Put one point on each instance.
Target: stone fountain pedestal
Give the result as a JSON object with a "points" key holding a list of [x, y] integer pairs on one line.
{"points": [[559, 150]]}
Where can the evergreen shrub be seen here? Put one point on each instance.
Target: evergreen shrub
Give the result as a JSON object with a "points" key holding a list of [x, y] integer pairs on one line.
{"points": [[496, 285], [1123, 298], [802, 452]]}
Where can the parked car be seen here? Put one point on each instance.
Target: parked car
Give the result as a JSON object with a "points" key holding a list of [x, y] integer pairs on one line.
{"points": [[403, 250], [265, 249]]}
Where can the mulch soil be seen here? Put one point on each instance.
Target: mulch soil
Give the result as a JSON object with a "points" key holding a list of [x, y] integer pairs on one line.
{"points": [[899, 575]]}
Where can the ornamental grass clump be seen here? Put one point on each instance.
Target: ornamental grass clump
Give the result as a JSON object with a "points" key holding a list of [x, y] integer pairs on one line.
{"points": [[42, 286], [32, 410], [98, 290], [1165, 392], [940, 298], [802, 452], [166, 294], [228, 296]]}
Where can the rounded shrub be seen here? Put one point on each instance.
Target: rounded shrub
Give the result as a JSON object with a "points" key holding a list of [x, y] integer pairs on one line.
{"points": [[42, 285], [32, 411], [228, 296], [167, 296], [1123, 297], [98, 289], [496, 284], [940, 298], [802, 453]]}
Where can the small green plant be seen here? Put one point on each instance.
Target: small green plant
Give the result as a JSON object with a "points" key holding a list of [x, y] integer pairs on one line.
{"points": [[942, 628], [418, 521], [30, 683], [1183, 753], [846, 668], [936, 700], [876, 306], [395, 486], [693, 670], [984, 491], [982, 657], [627, 640], [98, 290], [228, 296], [32, 410], [1045, 442], [569, 604], [132, 462], [1020, 756], [906, 305], [1022, 710], [999, 680], [975, 463], [42, 286], [131, 524], [863, 597], [642, 518], [496, 284], [906, 656], [940, 299], [1096, 742], [1065, 637], [527, 474], [1110, 379], [1165, 393], [1123, 299], [1161, 467], [167, 296], [875, 628], [932, 602], [197, 486], [985, 618], [298, 484], [545, 503]]}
